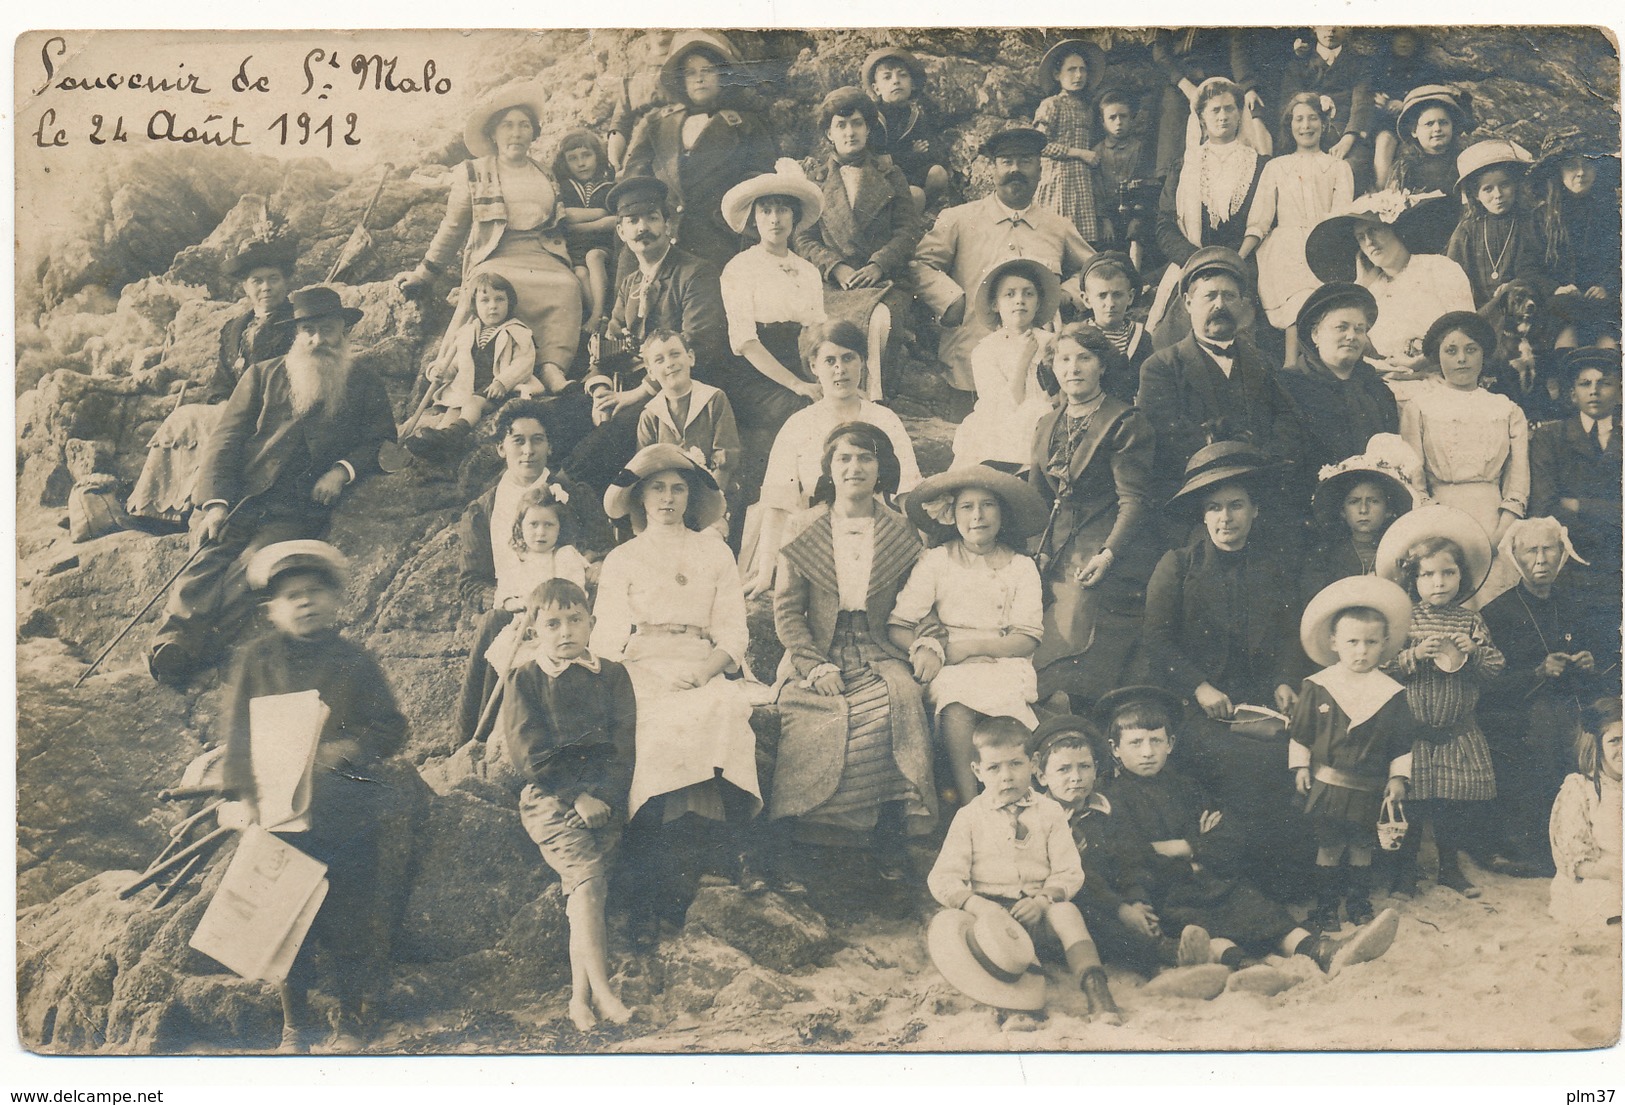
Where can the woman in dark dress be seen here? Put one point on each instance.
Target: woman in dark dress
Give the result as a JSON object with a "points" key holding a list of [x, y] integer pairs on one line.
{"points": [[1091, 459], [1221, 631]]}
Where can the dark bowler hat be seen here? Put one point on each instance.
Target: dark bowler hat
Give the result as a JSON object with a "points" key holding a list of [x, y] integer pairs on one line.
{"points": [[638, 195], [319, 301], [1471, 323], [1575, 361], [845, 101], [1019, 141], [1214, 259], [1328, 298], [274, 253]]}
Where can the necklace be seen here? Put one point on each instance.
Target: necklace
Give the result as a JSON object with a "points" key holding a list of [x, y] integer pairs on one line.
{"points": [[1496, 259]]}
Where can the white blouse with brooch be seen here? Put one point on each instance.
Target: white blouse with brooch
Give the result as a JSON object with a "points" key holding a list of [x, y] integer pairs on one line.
{"points": [[977, 596], [758, 287], [665, 599], [1474, 447]]}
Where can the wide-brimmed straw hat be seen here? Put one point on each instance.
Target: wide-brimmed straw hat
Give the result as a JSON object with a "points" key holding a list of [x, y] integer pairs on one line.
{"points": [[526, 94], [892, 53], [1108, 704], [1328, 298], [1457, 101], [1224, 462], [787, 179], [931, 504], [1387, 462], [705, 503], [283, 557], [1437, 520], [1492, 153], [989, 958], [319, 301], [1047, 283], [685, 43], [1093, 57], [259, 253], [1382, 595], [1423, 222]]}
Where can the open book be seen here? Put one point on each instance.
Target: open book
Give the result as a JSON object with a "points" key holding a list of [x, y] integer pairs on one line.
{"points": [[261, 912]]}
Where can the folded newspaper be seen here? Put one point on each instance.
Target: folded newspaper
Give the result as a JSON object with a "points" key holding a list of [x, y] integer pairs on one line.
{"points": [[261, 912]]}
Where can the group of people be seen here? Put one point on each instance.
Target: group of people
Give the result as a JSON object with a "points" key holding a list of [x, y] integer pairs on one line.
{"points": [[1316, 534]]}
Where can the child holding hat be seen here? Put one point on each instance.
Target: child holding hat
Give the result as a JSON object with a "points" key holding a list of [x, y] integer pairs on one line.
{"points": [[1351, 736]]}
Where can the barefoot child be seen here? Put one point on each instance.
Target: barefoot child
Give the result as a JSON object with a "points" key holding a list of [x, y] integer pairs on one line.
{"points": [[570, 728], [585, 178], [493, 354], [1020, 296], [1189, 855], [303, 585], [988, 598], [1010, 850], [1350, 750], [1441, 556]]}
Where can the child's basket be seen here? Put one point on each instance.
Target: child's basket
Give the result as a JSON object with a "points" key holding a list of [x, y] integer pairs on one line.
{"points": [[1391, 825]]}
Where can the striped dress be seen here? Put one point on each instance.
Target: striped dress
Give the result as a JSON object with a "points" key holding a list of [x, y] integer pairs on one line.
{"points": [[1067, 187], [1458, 768]]}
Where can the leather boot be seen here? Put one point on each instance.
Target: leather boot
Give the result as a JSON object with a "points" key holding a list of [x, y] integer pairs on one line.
{"points": [[1358, 901], [1328, 900], [1099, 995]]}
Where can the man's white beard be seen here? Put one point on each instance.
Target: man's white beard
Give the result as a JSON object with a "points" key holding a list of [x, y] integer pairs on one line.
{"points": [[317, 379]]}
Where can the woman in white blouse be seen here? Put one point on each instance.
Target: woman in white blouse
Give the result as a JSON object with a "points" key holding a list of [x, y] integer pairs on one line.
{"points": [[833, 354], [670, 607], [770, 294]]}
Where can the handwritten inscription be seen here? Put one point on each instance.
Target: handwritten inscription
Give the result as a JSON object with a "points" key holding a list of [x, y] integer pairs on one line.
{"points": [[325, 72]]}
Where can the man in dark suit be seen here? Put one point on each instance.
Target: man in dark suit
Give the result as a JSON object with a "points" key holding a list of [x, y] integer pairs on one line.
{"points": [[667, 289], [1214, 384], [1575, 468], [295, 433]]}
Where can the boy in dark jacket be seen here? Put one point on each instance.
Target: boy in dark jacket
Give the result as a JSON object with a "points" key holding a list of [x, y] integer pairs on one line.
{"points": [[1191, 862], [303, 585], [570, 727]]}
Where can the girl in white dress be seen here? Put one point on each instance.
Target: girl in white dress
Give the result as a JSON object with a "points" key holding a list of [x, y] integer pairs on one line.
{"points": [[1014, 389], [987, 596], [670, 607], [1585, 827], [542, 542], [1297, 190]]}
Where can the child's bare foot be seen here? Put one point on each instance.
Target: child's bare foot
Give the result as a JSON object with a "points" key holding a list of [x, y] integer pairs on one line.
{"points": [[611, 1009], [1020, 1022], [581, 1014]]}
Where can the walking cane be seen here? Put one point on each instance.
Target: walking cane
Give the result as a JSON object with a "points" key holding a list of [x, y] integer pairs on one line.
{"points": [[488, 714], [160, 593]]}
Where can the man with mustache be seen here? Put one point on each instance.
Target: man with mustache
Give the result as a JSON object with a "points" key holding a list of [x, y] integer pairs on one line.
{"points": [[668, 289], [1214, 384], [297, 430], [970, 239]]}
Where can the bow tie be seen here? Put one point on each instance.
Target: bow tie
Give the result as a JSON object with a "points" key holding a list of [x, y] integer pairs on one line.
{"points": [[555, 669], [1222, 352]]}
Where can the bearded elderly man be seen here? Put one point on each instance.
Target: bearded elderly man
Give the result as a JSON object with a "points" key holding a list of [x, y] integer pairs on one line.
{"points": [[970, 239], [297, 430]]}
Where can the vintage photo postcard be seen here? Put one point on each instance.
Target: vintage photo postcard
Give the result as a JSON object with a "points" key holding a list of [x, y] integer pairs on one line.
{"points": [[808, 541]]}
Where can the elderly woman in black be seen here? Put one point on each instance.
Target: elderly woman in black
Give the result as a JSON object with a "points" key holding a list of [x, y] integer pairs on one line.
{"points": [[1091, 458], [855, 750], [1221, 630], [1531, 714]]}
